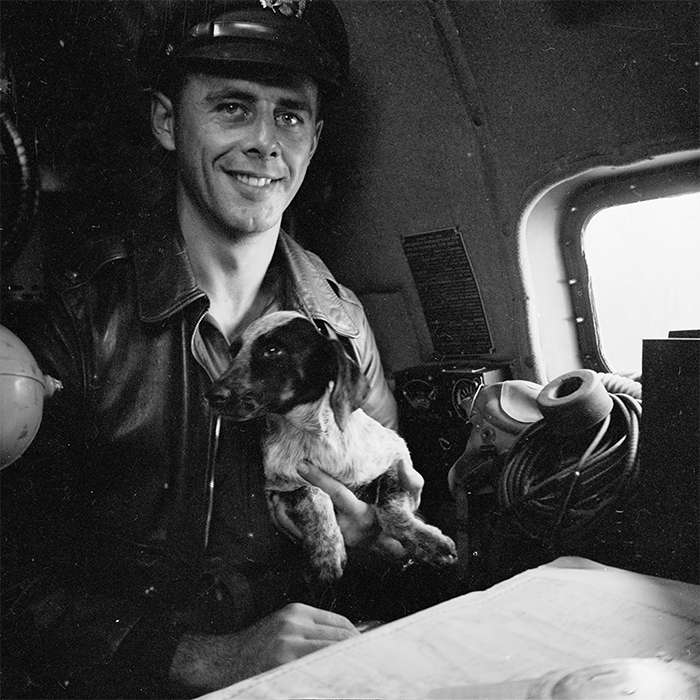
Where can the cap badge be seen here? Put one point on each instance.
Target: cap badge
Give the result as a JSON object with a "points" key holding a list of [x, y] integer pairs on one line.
{"points": [[286, 7]]}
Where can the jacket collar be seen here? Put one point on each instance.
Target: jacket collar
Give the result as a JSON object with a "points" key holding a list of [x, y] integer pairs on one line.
{"points": [[166, 283], [316, 290], [164, 277]]}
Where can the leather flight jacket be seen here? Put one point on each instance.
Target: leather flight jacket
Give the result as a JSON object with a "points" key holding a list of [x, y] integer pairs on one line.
{"points": [[137, 513]]}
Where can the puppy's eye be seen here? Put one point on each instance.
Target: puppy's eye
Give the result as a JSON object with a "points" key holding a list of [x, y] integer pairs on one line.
{"points": [[273, 351]]}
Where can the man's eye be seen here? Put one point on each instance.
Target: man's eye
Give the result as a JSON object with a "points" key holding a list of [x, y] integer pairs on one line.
{"points": [[232, 109], [288, 119]]}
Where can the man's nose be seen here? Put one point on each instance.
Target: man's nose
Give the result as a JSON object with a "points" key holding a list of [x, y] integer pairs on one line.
{"points": [[263, 141]]}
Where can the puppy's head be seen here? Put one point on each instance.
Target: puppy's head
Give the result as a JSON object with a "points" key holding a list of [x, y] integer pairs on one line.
{"points": [[284, 362]]}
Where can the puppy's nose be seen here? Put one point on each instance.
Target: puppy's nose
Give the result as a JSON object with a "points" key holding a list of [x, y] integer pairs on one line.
{"points": [[218, 395]]}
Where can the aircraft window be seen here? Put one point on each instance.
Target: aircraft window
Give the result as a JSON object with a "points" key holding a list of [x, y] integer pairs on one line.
{"points": [[602, 276], [642, 270]]}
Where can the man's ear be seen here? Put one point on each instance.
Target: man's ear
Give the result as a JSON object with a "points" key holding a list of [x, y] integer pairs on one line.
{"points": [[163, 120], [317, 138]]}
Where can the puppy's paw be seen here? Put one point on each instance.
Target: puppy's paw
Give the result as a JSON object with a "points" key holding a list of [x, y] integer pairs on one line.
{"points": [[323, 540], [329, 565], [433, 547]]}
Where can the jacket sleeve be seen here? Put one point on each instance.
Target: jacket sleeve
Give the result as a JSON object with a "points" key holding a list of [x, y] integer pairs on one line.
{"points": [[66, 632], [379, 402]]}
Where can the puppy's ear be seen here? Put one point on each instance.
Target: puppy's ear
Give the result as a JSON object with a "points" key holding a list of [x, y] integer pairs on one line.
{"points": [[350, 386]]}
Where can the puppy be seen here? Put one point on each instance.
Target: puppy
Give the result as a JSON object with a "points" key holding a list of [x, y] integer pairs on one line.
{"points": [[309, 391]]}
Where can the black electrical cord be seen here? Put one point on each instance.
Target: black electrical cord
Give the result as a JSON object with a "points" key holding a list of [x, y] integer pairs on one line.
{"points": [[557, 488]]}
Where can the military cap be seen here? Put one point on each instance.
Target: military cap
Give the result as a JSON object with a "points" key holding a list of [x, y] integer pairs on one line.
{"points": [[302, 36]]}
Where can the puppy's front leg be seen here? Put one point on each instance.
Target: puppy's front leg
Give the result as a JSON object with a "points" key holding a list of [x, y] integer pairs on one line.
{"points": [[311, 511], [394, 511]]}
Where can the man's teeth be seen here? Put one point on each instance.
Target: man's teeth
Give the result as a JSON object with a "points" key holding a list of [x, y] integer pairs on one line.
{"points": [[254, 181]]}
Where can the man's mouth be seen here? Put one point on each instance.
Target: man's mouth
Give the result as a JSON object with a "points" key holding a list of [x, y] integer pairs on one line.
{"points": [[253, 181]]}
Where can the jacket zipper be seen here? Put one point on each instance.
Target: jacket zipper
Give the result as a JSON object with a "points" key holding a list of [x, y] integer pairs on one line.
{"points": [[214, 436], [215, 421]]}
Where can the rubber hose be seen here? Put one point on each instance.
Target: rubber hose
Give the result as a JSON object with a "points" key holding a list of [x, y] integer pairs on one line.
{"points": [[617, 384]]}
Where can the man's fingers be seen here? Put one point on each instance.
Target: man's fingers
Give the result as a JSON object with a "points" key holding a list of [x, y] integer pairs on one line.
{"points": [[278, 512], [330, 619], [343, 498], [356, 518], [315, 623], [412, 481]]}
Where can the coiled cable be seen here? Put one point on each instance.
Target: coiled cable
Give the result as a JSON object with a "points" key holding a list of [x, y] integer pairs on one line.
{"points": [[557, 485], [617, 384]]}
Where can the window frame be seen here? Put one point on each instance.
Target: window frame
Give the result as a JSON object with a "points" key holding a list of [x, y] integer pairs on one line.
{"points": [[614, 189]]}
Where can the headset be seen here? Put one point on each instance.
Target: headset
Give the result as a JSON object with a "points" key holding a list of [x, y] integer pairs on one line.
{"points": [[558, 457]]}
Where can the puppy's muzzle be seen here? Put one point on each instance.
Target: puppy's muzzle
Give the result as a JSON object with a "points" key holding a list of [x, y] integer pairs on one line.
{"points": [[223, 400]]}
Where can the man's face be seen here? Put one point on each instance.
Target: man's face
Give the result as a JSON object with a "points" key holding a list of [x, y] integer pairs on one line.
{"points": [[242, 149]]}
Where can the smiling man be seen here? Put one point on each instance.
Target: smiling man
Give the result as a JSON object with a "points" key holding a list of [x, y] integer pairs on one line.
{"points": [[242, 148], [147, 561]]}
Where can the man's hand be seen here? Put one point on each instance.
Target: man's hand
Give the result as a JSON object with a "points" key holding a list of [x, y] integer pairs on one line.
{"points": [[356, 518], [204, 663]]}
